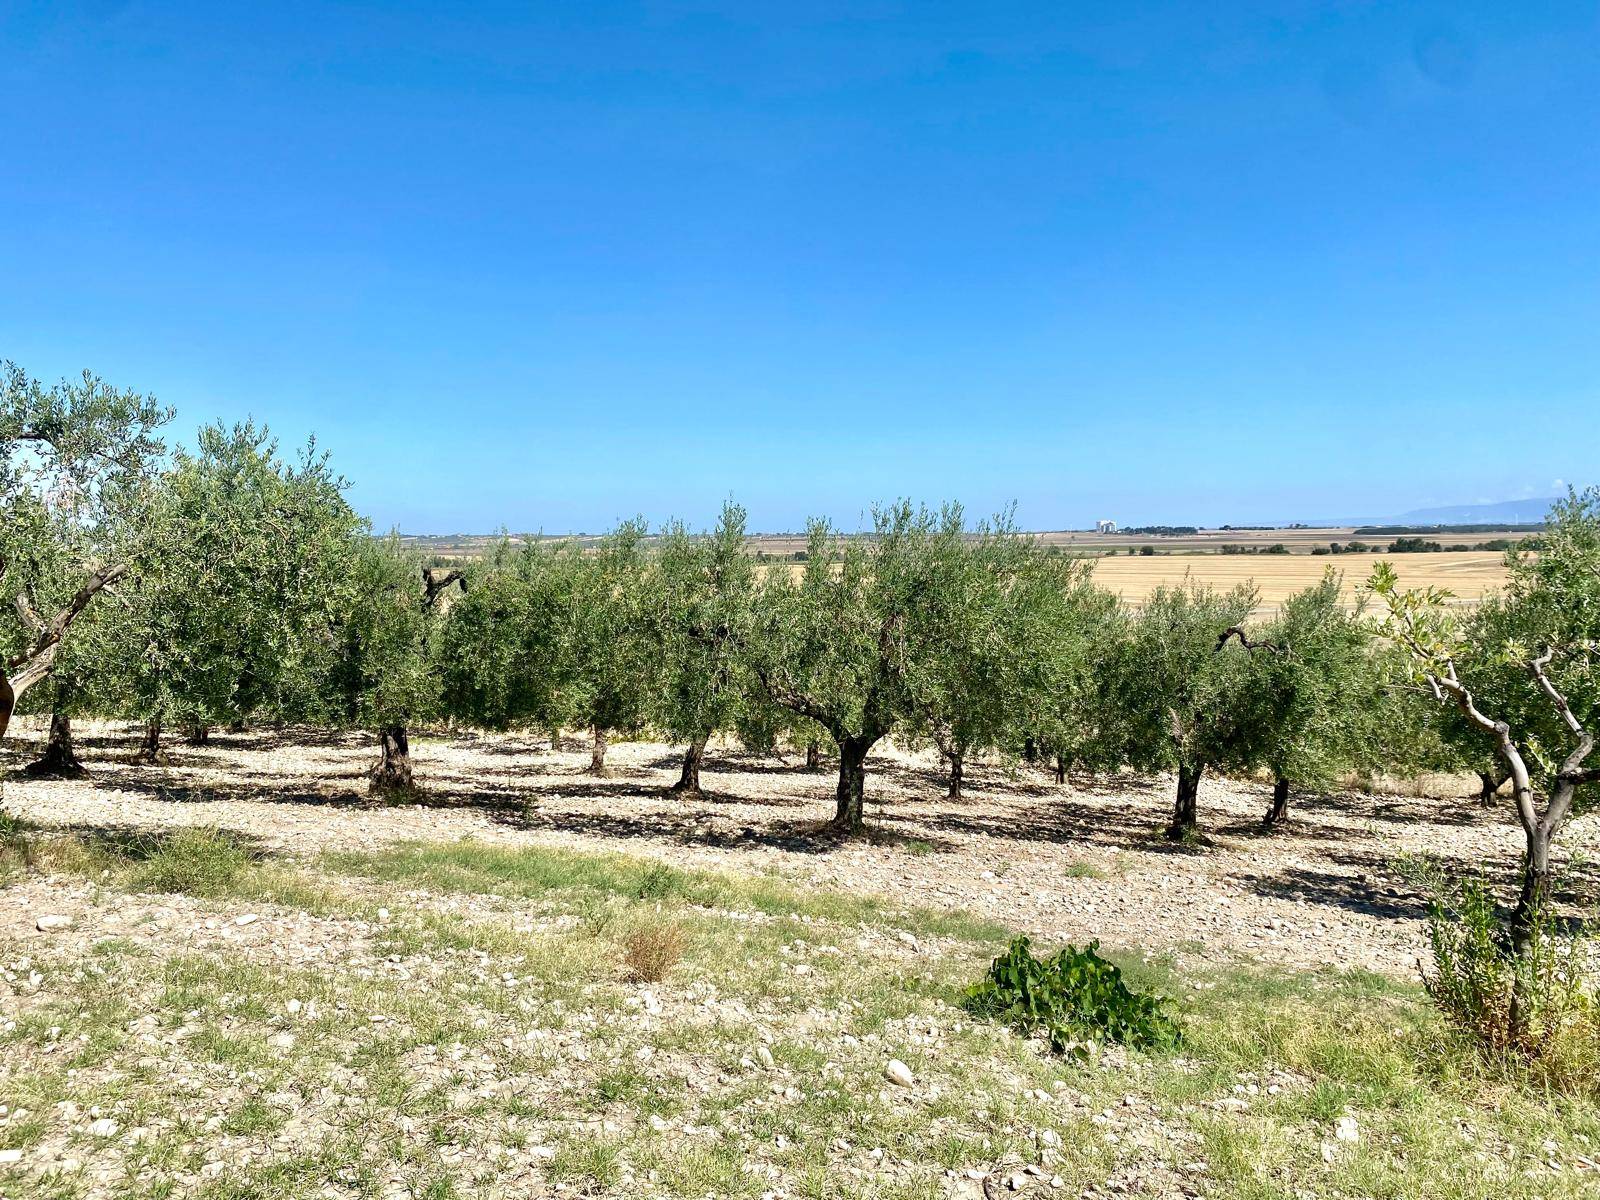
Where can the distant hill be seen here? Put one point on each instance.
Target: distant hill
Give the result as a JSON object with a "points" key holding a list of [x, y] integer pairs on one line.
{"points": [[1511, 512]]}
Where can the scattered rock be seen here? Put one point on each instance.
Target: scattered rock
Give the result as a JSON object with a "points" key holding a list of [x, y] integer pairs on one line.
{"points": [[898, 1073], [103, 1128], [52, 921], [1347, 1130]]}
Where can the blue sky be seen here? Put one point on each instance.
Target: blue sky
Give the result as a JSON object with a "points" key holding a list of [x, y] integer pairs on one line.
{"points": [[545, 266]]}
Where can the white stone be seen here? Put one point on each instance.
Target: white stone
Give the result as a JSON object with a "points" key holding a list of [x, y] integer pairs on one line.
{"points": [[52, 921], [1346, 1130], [247, 919], [898, 1073], [105, 1127], [10, 1156], [764, 1057]]}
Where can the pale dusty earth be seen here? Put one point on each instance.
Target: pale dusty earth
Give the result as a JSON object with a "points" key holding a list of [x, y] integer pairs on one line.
{"points": [[1074, 862]]}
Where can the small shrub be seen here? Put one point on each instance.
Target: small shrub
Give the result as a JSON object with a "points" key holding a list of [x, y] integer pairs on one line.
{"points": [[197, 862], [1538, 1007], [651, 949], [1075, 996]]}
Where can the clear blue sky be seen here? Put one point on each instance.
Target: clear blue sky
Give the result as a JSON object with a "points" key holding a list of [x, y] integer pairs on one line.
{"points": [[545, 265]]}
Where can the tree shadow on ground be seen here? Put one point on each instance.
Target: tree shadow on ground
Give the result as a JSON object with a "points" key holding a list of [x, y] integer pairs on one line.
{"points": [[139, 843], [699, 828]]}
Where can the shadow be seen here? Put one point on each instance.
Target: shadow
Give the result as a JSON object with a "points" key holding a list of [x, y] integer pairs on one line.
{"points": [[700, 828]]}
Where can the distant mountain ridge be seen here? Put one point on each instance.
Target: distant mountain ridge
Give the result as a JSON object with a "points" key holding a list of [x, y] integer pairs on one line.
{"points": [[1502, 512], [1514, 512]]}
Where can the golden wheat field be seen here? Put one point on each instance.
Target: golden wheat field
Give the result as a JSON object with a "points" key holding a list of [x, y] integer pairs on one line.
{"points": [[1468, 574]]}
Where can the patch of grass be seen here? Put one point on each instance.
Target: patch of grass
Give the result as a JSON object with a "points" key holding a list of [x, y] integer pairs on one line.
{"points": [[196, 862], [530, 873]]}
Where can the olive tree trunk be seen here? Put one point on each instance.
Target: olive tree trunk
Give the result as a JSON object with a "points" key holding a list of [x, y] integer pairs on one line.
{"points": [[8, 700], [688, 785], [813, 755], [149, 751], [597, 752], [1185, 811], [1489, 786], [1278, 813], [1063, 768], [393, 770], [850, 795], [957, 759], [60, 759]]}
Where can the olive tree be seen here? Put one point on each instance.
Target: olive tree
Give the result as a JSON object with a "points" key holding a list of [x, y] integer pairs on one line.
{"points": [[1185, 693], [698, 604], [609, 663], [1314, 689], [76, 462], [384, 675], [1523, 669], [1071, 634], [231, 617], [833, 644]]}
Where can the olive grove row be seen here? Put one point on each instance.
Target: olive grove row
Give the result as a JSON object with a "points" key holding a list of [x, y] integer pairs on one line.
{"points": [[191, 588]]}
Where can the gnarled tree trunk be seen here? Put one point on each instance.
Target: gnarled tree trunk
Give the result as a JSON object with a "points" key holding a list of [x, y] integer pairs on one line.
{"points": [[59, 760], [197, 734], [850, 795], [149, 751], [1279, 812], [8, 701], [813, 755], [1489, 786], [393, 770], [957, 760], [688, 785], [555, 739], [1185, 811], [1063, 768], [597, 751]]}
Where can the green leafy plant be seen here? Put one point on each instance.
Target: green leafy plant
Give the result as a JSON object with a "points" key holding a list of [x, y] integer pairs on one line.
{"points": [[1536, 1005], [1073, 998]]}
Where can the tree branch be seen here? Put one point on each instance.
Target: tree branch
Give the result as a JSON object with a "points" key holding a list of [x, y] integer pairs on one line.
{"points": [[1235, 631]]}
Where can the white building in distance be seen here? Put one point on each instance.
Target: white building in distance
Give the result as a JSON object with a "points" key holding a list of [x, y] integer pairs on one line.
{"points": [[1105, 526]]}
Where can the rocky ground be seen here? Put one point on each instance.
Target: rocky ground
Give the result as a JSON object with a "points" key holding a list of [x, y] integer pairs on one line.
{"points": [[446, 1006], [1083, 861]]}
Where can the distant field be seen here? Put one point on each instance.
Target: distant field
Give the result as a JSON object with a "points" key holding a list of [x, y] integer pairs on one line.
{"points": [[1469, 574]]}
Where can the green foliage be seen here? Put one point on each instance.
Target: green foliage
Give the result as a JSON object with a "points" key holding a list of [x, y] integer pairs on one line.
{"points": [[975, 648], [1538, 1006], [1071, 998], [698, 611], [503, 657], [1316, 691], [196, 862], [383, 673], [77, 463], [1184, 698], [1551, 604], [1071, 633], [231, 616]]}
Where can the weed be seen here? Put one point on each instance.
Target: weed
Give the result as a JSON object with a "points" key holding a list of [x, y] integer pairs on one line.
{"points": [[651, 949]]}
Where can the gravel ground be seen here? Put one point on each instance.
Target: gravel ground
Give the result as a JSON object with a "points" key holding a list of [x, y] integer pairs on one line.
{"points": [[1077, 862]]}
